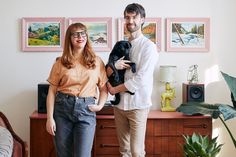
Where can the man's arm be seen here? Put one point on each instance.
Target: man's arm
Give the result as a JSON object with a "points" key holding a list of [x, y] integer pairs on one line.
{"points": [[116, 89], [109, 71], [119, 65]]}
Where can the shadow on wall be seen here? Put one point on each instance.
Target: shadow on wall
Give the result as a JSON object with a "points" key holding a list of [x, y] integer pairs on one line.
{"points": [[156, 93], [18, 109]]}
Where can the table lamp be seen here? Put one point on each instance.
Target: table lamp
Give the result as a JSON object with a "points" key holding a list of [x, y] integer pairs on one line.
{"points": [[167, 76]]}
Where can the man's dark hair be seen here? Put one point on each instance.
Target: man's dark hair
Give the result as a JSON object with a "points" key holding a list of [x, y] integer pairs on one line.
{"points": [[137, 8]]}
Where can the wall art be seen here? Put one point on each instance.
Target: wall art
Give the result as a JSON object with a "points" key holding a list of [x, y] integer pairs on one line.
{"points": [[99, 30], [151, 29], [42, 34], [188, 34]]}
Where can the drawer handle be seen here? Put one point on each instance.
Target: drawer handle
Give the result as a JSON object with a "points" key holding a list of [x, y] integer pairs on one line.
{"points": [[107, 127], [109, 145], [196, 126]]}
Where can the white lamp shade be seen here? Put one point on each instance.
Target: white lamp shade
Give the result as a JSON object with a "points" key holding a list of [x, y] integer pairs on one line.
{"points": [[168, 73]]}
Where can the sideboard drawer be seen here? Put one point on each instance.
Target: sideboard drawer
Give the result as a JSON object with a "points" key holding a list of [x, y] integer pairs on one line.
{"points": [[172, 127], [168, 145], [106, 128], [201, 126], [107, 145]]}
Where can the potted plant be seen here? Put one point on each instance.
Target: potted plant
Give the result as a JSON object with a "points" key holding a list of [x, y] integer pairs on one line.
{"points": [[215, 110], [200, 146]]}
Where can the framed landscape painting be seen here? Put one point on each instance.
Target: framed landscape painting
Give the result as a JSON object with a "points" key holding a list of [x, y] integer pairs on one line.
{"points": [[42, 34], [188, 34], [99, 30], [151, 29]]}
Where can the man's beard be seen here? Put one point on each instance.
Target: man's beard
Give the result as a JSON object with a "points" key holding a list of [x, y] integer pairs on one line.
{"points": [[132, 29]]}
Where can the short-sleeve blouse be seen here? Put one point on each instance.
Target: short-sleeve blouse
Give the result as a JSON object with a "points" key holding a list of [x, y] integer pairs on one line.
{"points": [[79, 80]]}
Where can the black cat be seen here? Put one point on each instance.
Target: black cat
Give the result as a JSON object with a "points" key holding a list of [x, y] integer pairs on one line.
{"points": [[121, 49]]}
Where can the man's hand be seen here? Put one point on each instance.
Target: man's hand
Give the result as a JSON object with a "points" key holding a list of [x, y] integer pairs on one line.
{"points": [[121, 64]]}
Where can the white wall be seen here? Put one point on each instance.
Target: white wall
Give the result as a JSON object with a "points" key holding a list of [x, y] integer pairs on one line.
{"points": [[22, 71]]}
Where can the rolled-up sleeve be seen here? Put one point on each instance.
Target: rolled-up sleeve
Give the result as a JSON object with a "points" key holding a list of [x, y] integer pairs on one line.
{"points": [[145, 69], [54, 76], [102, 78]]}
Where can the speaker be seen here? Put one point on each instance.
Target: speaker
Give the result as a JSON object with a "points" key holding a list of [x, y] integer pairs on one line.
{"points": [[193, 92], [42, 97]]}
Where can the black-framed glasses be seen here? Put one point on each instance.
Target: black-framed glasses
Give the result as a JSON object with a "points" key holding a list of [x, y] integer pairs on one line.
{"points": [[79, 34]]}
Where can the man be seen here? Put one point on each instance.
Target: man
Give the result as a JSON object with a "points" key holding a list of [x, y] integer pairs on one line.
{"points": [[132, 111]]}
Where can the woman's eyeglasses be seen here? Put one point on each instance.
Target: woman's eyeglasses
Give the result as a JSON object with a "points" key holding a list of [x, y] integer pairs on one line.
{"points": [[79, 34]]}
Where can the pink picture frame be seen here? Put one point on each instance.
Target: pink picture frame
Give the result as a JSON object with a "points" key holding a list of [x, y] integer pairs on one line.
{"points": [[99, 30], [42, 34], [151, 29], [187, 34]]}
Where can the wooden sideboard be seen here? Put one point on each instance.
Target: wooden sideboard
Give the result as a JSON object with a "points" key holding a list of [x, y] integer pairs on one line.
{"points": [[163, 136], [41, 143]]}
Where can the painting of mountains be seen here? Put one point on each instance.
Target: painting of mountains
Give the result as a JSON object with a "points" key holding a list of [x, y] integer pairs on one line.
{"points": [[188, 34], [43, 34]]}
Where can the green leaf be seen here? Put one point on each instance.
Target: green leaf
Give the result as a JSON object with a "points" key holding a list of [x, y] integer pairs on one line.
{"points": [[194, 108], [200, 146], [231, 82], [216, 150], [228, 111], [214, 140], [195, 138], [190, 154], [205, 142]]}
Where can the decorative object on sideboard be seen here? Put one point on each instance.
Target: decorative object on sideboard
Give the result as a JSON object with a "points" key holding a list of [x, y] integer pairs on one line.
{"points": [[193, 92], [167, 76], [42, 97], [192, 76]]}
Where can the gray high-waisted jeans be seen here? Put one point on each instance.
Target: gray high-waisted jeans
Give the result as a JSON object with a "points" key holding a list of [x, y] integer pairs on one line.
{"points": [[75, 125]]}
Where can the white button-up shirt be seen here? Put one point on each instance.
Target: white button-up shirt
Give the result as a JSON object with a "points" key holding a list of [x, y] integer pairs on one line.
{"points": [[144, 54]]}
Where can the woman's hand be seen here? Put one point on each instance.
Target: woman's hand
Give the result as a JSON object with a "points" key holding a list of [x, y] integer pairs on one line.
{"points": [[94, 108], [51, 126]]}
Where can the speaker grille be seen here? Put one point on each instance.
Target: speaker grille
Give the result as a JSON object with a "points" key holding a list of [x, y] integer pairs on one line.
{"points": [[196, 93], [42, 97], [193, 92]]}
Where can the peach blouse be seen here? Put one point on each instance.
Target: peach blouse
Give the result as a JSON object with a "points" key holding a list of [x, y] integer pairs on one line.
{"points": [[78, 81]]}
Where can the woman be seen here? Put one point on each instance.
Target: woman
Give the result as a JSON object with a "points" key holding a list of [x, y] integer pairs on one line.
{"points": [[74, 80]]}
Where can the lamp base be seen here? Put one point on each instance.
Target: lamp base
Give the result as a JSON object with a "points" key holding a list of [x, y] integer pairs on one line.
{"points": [[167, 109]]}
